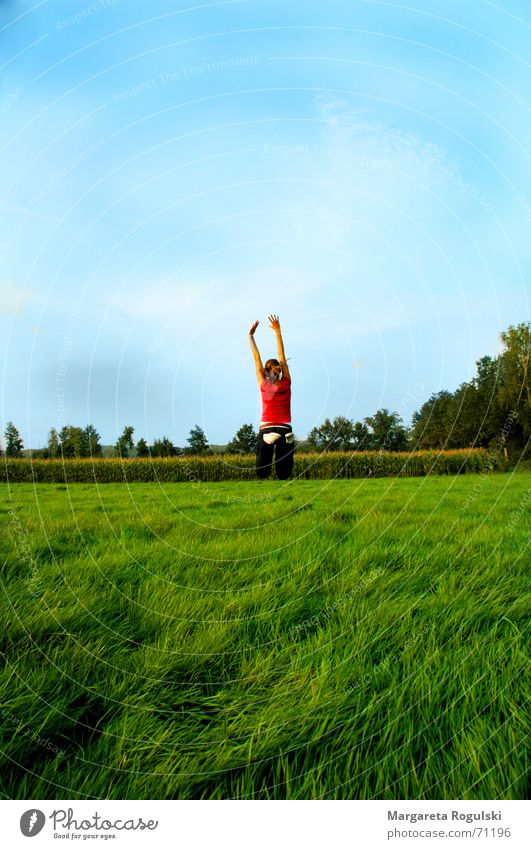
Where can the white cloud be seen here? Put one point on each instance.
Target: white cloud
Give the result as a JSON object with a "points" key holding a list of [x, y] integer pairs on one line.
{"points": [[10, 209], [12, 300], [369, 243], [207, 298]]}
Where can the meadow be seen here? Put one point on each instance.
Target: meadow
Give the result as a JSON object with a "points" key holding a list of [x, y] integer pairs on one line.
{"points": [[311, 639]]}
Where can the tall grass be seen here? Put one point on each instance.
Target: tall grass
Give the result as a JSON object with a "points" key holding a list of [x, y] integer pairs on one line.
{"points": [[308, 466], [307, 639]]}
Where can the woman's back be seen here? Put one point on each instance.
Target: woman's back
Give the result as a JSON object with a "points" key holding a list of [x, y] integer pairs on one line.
{"points": [[276, 400]]}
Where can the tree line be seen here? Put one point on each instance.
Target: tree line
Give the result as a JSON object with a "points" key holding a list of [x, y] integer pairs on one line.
{"points": [[71, 442], [492, 409], [474, 415]]}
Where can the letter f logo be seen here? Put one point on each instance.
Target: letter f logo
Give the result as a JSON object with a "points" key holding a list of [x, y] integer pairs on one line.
{"points": [[32, 822]]}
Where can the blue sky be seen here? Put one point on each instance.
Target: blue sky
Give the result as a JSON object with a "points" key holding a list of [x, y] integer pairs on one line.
{"points": [[167, 177]]}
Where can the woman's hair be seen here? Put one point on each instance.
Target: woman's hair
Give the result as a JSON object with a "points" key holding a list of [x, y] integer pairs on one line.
{"points": [[270, 363]]}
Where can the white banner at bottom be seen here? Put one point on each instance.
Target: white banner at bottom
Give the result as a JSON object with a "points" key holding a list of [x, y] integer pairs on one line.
{"points": [[266, 824]]}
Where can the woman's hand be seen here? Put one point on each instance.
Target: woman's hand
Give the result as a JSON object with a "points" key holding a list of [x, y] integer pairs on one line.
{"points": [[253, 328], [275, 325]]}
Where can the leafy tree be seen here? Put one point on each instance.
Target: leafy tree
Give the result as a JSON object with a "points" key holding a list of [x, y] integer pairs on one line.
{"points": [[361, 437], [14, 443], [72, 441], [516, 357], [164, 448], [91, 442], [430, 424], [38, 453], [197, 441], [142, 448], [476, 413], [303, 446], [244, 442], [515, 391], [487, 400], [54, 445], [451, 420], [125, 443], [333, 436], [388, 432], [463, 418]]}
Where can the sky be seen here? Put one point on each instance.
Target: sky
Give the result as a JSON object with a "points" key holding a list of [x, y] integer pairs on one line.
{"points": [[171, 172]]}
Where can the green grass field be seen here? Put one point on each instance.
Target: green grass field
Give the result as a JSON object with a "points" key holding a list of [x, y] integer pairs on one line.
{"points": [[354, 639]]}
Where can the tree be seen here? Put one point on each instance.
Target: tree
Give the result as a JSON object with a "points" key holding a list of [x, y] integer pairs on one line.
{"points": [[473, 413], [38, 453], [494, 407], [487, 401], [91, 442], [244, 442], [516, 357], [125, 442], [361, 437], [333, 436], [72, 441], [197, 441], [164, 448], [14, 443], [430, 424], [388, 432], [142, 449], [515, 390], [54, 446]]}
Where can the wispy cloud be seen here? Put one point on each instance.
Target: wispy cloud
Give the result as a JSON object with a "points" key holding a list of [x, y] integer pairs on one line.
{"points": [[206, 298], [26, 212], [12, 300]]}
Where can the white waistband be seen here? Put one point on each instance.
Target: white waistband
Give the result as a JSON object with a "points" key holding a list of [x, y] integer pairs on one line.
{"points": [[274, 424]]}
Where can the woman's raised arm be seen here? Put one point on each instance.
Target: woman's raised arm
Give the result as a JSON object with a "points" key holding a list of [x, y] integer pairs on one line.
{"points": [[275, 325], [260, 371]]}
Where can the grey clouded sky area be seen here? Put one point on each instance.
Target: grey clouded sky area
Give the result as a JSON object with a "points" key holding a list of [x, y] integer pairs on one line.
{"points": [[360, 168]]}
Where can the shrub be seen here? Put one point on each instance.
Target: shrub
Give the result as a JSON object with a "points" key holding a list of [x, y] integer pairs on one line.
{"points": [[308, 466]]}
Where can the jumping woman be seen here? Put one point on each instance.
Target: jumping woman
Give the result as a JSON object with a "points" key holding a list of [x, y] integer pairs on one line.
{"points": [[276, 434]]}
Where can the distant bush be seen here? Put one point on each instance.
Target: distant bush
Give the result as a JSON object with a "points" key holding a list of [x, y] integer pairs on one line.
{"points": [[242, 467]]}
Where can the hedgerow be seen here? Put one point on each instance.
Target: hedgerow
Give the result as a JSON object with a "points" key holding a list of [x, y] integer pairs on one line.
{"points": [[226, 467]]}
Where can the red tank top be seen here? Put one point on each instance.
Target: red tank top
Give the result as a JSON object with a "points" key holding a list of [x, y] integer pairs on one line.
{"points": [[276, 400]]}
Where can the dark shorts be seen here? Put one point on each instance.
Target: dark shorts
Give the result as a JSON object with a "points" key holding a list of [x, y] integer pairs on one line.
{"points": [[281, 450]]}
